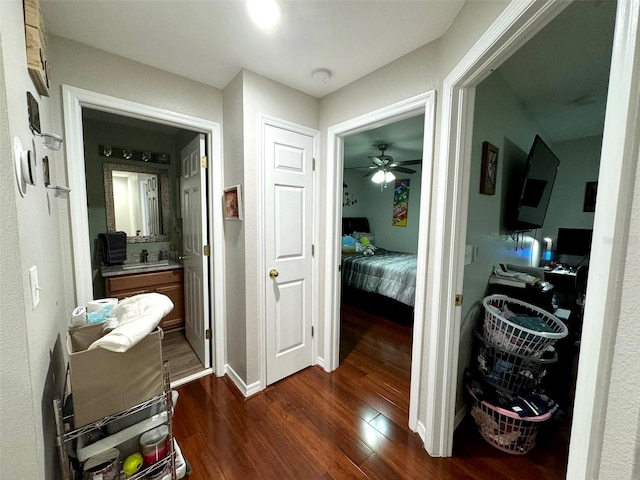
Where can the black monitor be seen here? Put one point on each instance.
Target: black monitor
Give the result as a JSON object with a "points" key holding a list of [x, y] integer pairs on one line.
{"points": [[574, 241]]}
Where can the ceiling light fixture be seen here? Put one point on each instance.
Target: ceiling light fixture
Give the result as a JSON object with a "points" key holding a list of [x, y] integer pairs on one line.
{"points": [[378, 177], [264, 13]]}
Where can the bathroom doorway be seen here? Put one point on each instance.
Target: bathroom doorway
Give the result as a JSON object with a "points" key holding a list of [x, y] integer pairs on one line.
{"points": [[162, 252]]}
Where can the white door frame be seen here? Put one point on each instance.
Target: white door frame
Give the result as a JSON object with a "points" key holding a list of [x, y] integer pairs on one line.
{"points": [[519, 22], [263, 122], [74, 99], [421, 104]]}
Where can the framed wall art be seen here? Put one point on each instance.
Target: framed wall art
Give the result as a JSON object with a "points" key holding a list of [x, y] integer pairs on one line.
{"points": [[489, 172], [232, 203]]}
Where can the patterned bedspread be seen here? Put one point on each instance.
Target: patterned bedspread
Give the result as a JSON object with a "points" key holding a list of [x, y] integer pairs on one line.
{"points": [[392, 274]]}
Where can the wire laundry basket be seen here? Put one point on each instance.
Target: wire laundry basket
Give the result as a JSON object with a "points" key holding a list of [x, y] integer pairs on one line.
{"points": [[506, 430], [508, 371], [516, 338]]}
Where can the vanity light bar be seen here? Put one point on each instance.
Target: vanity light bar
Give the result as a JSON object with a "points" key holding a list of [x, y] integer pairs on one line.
{"points": [[130, 154]]}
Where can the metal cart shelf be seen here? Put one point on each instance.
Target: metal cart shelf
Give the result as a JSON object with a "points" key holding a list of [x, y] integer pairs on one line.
{"points": [[66, 436]]}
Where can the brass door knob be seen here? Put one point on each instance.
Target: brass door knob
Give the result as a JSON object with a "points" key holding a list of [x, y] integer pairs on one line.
{"points": [[273, 273]]}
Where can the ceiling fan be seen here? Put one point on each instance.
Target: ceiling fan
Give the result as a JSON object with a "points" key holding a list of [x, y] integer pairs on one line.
{"points": [[384, 165]]}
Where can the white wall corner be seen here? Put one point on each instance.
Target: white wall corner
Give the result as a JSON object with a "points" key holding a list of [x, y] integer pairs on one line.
{"points": [[246, 390]]}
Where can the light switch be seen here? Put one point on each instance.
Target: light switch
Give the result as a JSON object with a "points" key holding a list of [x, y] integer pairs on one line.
{"points": [[470, 254], [35, 288]]}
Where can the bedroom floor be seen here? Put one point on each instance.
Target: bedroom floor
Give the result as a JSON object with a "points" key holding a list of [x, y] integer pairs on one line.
{"points": [[351, 423]]}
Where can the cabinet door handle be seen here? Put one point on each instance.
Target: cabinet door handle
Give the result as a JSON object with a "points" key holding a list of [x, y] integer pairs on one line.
{"points": [[184, 257]]}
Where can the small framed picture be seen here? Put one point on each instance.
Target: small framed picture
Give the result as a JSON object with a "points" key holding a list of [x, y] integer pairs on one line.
{"points": [[232, 203], [489, 172]]}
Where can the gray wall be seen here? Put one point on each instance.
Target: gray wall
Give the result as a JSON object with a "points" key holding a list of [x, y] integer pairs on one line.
{"points": [[236, 342], [579, 163]]}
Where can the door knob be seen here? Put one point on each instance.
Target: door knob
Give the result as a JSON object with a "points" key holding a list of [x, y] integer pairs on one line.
{"points": [[184, 257], [273, 273]]}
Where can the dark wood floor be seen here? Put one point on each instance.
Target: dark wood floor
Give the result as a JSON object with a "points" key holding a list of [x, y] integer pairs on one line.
{"points": [[351, 423]]}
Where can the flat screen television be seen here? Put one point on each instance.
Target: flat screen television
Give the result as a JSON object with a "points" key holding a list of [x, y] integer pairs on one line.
{"points": [[540, 173]]}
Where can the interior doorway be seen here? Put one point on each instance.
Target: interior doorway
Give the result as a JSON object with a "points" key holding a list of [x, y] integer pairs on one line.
{"points": [[75, 100], [451, 190], [420, 105], [538, 91]]}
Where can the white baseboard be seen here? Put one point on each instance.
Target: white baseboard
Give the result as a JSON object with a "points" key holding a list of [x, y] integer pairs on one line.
{"points": [[320, 361], [246, 390], [421, 431]]}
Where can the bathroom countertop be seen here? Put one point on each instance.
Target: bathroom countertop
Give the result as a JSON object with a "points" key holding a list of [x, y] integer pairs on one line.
{"points": [[130, 268]]}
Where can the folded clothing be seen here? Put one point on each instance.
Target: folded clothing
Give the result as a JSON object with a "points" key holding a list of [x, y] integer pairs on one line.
{"points": [[133, 319]]}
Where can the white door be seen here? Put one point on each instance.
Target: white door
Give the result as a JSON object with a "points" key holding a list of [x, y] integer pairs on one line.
{"points": [[194, 237], [289, 223]]}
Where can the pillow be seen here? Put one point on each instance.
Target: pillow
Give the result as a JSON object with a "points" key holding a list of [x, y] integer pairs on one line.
{"points": [[349, 244]]}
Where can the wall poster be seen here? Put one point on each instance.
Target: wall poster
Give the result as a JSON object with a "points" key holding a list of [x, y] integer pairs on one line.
{"points": [[401, 203]]}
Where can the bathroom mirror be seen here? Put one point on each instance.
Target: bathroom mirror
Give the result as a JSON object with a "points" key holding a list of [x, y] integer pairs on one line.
{"points": [[137, 202]]}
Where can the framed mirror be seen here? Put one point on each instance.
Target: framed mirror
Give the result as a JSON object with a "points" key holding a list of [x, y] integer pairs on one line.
{"points": [[137, 202]]}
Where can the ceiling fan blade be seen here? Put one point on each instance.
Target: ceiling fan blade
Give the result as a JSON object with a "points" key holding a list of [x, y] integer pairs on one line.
{"points": [[376, 160], [360, 168], [402, 169], [410, 162], [370, 172]]}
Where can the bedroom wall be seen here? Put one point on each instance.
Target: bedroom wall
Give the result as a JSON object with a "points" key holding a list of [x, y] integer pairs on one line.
{"points": [[579, 163], [378, 208], [356, 187]]}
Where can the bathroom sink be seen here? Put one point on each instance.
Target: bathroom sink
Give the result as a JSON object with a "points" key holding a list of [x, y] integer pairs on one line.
{"points": [[146, 265]]}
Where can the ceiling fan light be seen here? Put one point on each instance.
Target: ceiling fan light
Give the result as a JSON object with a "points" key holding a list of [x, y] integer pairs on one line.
{"points": [[378, 177], [389, 177]]}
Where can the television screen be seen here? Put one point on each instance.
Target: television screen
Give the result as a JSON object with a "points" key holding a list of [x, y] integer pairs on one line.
{"points": [[574, 241], [540, 174]]}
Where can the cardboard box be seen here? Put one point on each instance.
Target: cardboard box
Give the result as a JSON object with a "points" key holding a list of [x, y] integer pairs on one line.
{"points": [[105, 382]]}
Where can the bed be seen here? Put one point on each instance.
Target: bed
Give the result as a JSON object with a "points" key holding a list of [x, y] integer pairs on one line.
{"points": [[387, 273]]}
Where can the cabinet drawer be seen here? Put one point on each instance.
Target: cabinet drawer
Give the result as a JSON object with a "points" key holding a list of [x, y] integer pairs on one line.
{"points": [[142, 281]]}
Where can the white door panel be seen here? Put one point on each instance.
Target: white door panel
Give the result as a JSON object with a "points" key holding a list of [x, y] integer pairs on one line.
{"points": [[195, 265], [289, 215]]}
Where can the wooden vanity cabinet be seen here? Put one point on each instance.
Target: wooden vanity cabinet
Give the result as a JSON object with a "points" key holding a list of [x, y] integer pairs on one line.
{"points": [[167, 282]]}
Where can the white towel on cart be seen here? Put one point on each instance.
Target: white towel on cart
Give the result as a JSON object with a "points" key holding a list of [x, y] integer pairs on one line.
{"points": [[132, 320]]}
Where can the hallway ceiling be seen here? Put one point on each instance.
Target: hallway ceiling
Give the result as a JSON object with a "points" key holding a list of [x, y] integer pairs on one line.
{"points": [[210, 41], [560, 76]]}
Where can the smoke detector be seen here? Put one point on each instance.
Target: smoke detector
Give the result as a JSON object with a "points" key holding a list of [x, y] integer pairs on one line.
{"points": [[321, 75]]}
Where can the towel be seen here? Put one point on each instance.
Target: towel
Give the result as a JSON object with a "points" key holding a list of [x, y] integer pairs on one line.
{"points": [[132, 320], [114, 247]]}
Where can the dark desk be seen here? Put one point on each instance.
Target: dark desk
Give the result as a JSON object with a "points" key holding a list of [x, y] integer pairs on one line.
{"points": [[564, 282]]}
